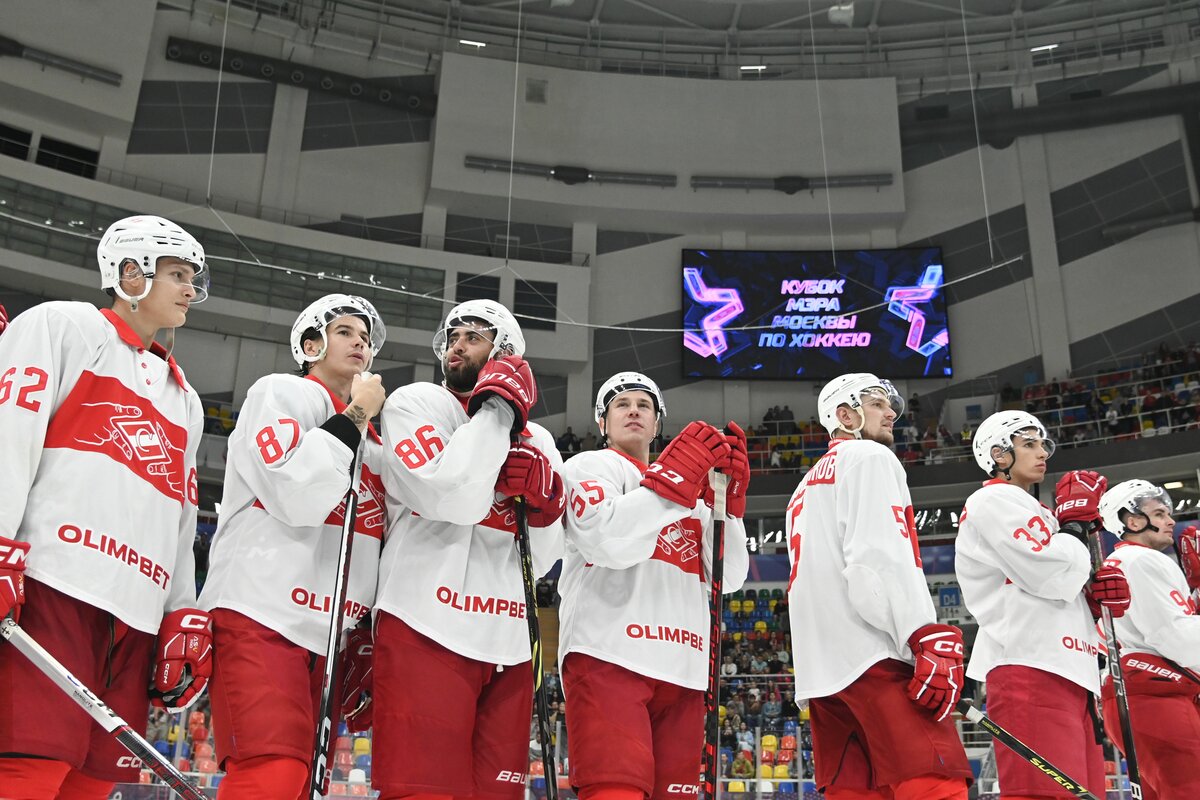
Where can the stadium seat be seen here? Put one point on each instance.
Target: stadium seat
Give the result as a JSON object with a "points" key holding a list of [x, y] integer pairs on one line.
{"points": [[748, 606], [199, 733], [740, 786], [777, 593], [766, 771], [362, 745], [769, 742], [184, 765], [788, 742], [206, 765], [789, 728], [363, 762], [358, 776], [760, 626], [781, 770], [751, 594], [203, 750], [537, 768], [343, 760], [735, 606], [163, 747], [766, 757], [195, 718], [358, 790], [344, 743]]}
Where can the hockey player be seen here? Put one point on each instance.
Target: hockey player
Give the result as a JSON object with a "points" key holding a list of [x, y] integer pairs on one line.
{"points": [[1160, 644], [634, 630], [452, 658], [861, 614], [1026, 576], [273, 562], [98, 499]]}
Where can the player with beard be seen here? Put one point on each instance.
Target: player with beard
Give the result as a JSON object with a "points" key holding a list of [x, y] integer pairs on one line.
{"points": [[1026, 576], [633, 639], [453, 678], [1160, 640], [861, 614]]}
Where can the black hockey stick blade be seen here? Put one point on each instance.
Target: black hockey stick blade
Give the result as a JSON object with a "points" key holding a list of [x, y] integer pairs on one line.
{"points": [[118, 728], [1064, 781]]}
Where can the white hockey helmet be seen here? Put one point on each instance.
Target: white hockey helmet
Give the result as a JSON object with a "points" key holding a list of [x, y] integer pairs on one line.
{"points": [[321, 312], [629, 382], [849, 390], [998, 430], [145, 239], [1130, 496], [507, 337]]}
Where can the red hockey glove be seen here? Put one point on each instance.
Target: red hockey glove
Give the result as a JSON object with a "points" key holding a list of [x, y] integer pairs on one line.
{"points": [[1189, 556], [358, 680], [184, 658], [937, 681], [737, 467], [678, 474], [510, 379], [527, 472], [1108, 589], [1077, 496], [12, 576]]}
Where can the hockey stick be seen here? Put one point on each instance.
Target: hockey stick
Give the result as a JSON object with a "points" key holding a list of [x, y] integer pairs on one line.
{"points": [[1118, 676], [540, 702], [712, 780], [319, 773], [105, 716], [1052, 772]]}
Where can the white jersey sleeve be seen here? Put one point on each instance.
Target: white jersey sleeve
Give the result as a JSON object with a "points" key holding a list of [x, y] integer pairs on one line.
{"points": [[83, 405], [1023, 582], [1161, 618], [883, 571], [444, 473]]}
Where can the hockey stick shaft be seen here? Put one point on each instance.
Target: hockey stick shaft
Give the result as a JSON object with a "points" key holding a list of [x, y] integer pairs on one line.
{"points": [[540, 702], [319, 773], [1065, 781], [1116, 671], [102, 714], [712, 780]]}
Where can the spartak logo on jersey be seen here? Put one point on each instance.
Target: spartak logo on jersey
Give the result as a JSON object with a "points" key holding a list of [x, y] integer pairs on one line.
{"points": [[679, 544], [124, 426], [369, 514], [502, 516]]}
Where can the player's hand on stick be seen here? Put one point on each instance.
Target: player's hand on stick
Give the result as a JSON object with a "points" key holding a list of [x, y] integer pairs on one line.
{"points": [[3, 319], [737, 467], [527, 472], [509, 379], [12, 576], [679, 473], [1189, 555], [1108, 589], [358, 679], [184, 653], [937, 681], [1077, 497], [368, 395]]}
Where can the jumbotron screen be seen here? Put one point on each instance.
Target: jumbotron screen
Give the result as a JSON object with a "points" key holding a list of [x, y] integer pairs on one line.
{"points": [[814, 315]]}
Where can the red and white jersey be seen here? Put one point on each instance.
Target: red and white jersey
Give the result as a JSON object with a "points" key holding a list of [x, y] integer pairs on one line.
{"points": [[449, 567], [98, 461], [635, 580], [1163, 619], [1024, 585], [857, 590], [275, 554]]}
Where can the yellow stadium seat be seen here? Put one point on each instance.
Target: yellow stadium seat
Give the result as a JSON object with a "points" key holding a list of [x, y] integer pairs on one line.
{"points": [[362, 746], [804, 715], [771, 603], [737, 637], [760, 626], [781, 771], [721, 712], [735, 606], [771, 742], [768, 771], [737, 786], [748, 606]]}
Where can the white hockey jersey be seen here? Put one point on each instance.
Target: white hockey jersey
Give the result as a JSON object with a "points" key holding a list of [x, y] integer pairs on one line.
{"points": [[635, 580], [1024, 584], [857, 590], [1162, 618], [274, 557], [449, 567], [98, 461]]}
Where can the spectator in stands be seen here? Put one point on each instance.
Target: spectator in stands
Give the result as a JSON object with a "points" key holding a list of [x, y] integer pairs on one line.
{"points": [[553, 684], [742, 767], [725, 766], [728, 668], [946, 437], [758, 664], [158, 726], [914, 407], [728, 738], [745, 738], [736, 706], [788, 706], [787, 422], [776, 458], [568, 442], [772, 709], [965, 434], [1111, 420]]}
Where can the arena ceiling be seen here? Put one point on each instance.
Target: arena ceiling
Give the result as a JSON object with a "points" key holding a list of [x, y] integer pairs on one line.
{"points": [[786, 36]]}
